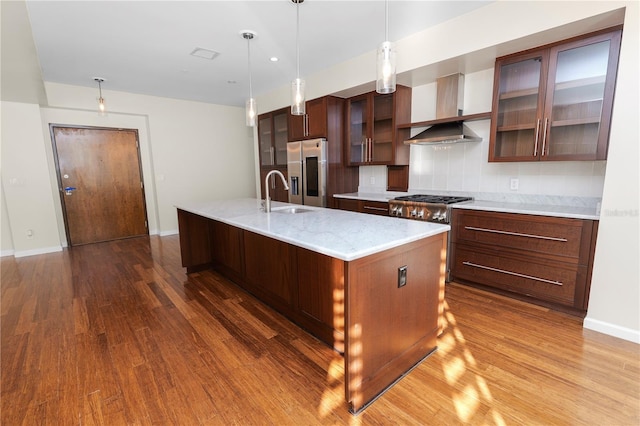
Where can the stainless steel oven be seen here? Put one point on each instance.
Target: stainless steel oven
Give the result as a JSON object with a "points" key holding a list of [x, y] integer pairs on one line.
{"points": [[430, 208]]}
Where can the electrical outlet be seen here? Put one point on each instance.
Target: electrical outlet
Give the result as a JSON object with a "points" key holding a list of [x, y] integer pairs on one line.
{"points": [[513, 184], [29, 233]]}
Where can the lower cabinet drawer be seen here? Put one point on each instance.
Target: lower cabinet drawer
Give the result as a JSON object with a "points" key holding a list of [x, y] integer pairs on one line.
{"points": [[374, 207], [550, 235], [523, 275]]}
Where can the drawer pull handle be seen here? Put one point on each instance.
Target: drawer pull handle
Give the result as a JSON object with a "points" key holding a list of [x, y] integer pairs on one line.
{"points": [[382, 209], [518, 234], [502, 271]]}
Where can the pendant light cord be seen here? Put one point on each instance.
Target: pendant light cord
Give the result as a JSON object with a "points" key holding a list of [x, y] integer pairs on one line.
{"points": [[386, 20], [298, 39], [249, 65]]}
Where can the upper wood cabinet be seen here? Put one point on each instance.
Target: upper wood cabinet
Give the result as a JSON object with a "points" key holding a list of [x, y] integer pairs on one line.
{"points": [[273, 136], [311, 125], [371, 121], [554, 103]]}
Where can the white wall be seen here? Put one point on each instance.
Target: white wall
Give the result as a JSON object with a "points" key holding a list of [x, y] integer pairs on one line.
{"points": [[26, 185], [614, 306]]}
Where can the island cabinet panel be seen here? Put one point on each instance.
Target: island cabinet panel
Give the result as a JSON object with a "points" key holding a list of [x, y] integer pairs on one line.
{"points": [[321, 296], [391, 327], [226, 248], [270, 270], [195, 241], [542, 259]]}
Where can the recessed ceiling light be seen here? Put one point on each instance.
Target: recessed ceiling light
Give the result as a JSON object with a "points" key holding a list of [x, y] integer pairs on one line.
{"points": [[201, 52], [273, 59]]}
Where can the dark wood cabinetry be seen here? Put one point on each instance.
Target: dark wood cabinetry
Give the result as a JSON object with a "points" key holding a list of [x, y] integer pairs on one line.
{"points": [[555, 102], [268, 273], [313, 124], [363, 206], [360, 307], [371, 134], [195, 241], [546, 260], [273, 136]]}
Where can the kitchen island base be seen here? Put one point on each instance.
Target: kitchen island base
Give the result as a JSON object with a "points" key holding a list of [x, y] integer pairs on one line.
{"points": [[380, 310]]}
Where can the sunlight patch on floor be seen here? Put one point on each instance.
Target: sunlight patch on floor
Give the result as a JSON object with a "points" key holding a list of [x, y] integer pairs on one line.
{"points": [[469, 389]]}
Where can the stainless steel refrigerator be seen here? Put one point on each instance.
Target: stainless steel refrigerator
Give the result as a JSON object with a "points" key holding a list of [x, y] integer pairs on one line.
{"points": [[307, 170]]}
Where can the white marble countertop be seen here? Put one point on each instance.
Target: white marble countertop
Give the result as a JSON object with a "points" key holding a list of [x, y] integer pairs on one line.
{"points": [[337, 233], [555, 210], [574, 212]]}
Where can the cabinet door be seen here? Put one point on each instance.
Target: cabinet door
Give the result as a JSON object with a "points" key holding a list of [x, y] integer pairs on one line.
{"points": [[518, 102], [358, 129], [579, 98], [280, 136], [316, 119], [297, 127], [383, 127], [311, 125], [268, 268], [265, 140]]}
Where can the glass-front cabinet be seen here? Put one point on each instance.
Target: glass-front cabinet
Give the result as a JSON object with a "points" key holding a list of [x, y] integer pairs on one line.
{"points": [[371, 127], [555, 103], [273, 137]]}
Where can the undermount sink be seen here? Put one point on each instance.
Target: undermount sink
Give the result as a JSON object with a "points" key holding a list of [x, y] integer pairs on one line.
{"points": [[291, 210]]}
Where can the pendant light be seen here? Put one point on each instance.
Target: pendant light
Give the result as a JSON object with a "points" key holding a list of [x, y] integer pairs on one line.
{"points": [[386, 65], [102, 108], [251, 102], [297, 86]]}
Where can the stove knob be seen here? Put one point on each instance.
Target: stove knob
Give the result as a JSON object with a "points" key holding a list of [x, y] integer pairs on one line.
{"points": [[421, 214], [414, 212]]}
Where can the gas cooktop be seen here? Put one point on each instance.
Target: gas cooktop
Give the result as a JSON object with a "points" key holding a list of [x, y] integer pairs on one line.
{"points": [[432, 199]]}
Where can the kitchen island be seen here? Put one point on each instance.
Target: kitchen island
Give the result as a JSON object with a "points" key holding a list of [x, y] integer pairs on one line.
{"points": [[369, 286]]}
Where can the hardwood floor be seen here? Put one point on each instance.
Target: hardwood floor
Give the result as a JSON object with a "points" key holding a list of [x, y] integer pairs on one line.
{"points": [[116, 333]]}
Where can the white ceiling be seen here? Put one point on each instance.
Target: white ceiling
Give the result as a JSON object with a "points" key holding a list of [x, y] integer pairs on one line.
{"points": [[144, 46]]}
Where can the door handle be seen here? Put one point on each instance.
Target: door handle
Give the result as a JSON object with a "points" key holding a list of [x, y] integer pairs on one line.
{"points": [[69, 190]]}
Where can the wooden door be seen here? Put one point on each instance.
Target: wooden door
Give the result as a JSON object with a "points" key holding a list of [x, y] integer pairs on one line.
{"points": [[100, 183]]}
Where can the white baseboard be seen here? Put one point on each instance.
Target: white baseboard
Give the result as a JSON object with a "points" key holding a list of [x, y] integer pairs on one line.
{"points": [[34, 252], [612, 330], [171, 232], [5, 253]]}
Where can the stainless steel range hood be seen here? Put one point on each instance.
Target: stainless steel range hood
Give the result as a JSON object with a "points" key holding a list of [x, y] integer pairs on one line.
{"points": [[449, 102]]}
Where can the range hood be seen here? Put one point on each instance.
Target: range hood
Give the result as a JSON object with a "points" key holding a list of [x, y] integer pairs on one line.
{"points": [[449, 102]]}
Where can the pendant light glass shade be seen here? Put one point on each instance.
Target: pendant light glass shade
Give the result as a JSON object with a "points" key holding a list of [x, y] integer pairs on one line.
{"points": [[386, 75], [102, 107], [251, 109], [251, 112], [298, 104], [297, 97], [386, 61]]}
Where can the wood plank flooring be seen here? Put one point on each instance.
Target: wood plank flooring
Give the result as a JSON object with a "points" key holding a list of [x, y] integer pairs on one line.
{"points": [[117, 334]]}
